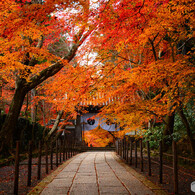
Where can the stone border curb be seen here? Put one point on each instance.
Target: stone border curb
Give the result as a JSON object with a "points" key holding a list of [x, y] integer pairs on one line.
{"points": [[155, 188], [48, 179]]}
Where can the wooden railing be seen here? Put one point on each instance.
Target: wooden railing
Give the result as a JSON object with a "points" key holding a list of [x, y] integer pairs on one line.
{"points": [[62, 150], [127, 149]]}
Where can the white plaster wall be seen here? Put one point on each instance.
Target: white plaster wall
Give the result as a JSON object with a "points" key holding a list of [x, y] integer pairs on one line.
{"points": [[98, 121]]}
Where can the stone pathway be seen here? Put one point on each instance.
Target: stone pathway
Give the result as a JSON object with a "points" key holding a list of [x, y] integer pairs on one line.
{"points": [[95, 173]]}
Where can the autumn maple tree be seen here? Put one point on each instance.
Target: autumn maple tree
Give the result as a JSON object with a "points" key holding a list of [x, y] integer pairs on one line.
{"points": [[142, 67], [27, 27], [147, 62], [98, 137]]}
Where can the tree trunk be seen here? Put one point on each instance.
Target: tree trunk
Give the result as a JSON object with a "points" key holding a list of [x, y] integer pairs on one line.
{"points": [[188, 130], [78, 130], [43, 112], [8, 128], [169, 126], [54, 128], [1, 102], [58, 134], [22, 89], [33, 107]]}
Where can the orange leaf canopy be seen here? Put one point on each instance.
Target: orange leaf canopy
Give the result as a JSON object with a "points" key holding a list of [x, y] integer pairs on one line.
{"points": [[98, 137]]}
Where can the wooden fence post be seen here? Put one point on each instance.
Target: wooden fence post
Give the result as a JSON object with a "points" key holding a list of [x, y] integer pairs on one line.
{"points": [[60, 151], [39, 162], [71, 149], [51, 157], [46, 158], [116, 147], [131, 151], [123, 148], [118, 144], [66, 150], [135, 153], [141, 156], [57, 153], [74, 147], [149, 159], [120, 147], [160, 163], [29, 163], [64, 147], [175, 167], [127, 151], [126, 148], [16, 173]]}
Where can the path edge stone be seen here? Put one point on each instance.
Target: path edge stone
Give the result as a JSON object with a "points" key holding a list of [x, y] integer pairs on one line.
{"points": [[48, 179], [153, 187]]}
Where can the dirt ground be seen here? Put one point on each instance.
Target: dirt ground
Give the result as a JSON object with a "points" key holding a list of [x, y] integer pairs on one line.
{"points": [[185, 176], [7, 176]]}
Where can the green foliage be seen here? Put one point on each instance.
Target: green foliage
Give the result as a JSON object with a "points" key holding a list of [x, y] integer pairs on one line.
{"points": [[179, 127], [154, 135], [26, 131]]}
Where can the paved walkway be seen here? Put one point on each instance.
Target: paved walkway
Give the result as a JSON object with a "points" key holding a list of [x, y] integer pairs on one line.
{"points": [[95, 173]]}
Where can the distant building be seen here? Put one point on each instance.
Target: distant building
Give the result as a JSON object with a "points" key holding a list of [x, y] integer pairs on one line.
{"points": [[91, 120]]}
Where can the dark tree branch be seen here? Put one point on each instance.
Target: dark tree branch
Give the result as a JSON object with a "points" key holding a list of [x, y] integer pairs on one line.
{"points": [[153, 49], [54, 68]]}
